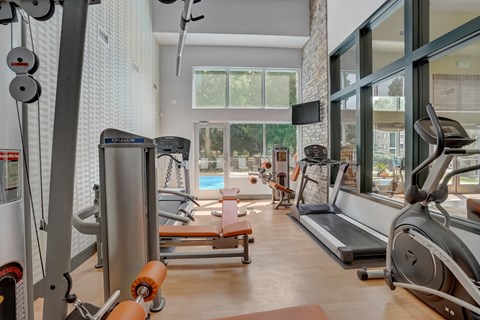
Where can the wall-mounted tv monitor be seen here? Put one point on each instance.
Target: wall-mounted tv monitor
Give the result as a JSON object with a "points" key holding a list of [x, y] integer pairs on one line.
{"points": [[306, 113]]}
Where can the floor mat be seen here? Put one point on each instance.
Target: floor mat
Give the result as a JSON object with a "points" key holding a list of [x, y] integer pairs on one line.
{"points": [[356, 264]]}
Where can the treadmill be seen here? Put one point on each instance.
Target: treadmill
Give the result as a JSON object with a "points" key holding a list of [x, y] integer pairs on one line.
{"points": [[347, 238]]}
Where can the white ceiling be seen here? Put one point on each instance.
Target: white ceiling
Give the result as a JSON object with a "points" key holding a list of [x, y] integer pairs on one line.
{"points": [[245, 23]]}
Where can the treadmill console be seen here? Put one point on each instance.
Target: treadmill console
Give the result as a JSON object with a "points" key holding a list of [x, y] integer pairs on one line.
{"points": [[316, 152], [455, 135], [173, 145]]}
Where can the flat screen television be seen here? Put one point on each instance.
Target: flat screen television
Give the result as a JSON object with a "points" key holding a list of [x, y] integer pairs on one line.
{"points": [[306, 113]]}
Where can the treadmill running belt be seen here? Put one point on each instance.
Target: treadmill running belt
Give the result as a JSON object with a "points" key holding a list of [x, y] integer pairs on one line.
{"points": [[361, 242]]}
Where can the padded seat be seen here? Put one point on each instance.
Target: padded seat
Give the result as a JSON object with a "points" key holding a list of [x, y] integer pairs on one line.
{"points": [[305, 312], [237, 229], [188, 231], [278, 186]]}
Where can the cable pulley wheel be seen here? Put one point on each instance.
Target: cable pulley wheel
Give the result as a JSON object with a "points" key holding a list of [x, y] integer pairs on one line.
{"points": [[40, 10], [21, 61], [25, 88]]}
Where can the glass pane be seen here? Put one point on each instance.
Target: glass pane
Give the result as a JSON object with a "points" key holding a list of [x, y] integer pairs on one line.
{"points": [[211, 158], [456, 94], [347, 67], [245, 88], [281, 88], [246, 146], [389, 137], [349, 138], [284, 135], [387, 40], [448, 15], [210, 88]]}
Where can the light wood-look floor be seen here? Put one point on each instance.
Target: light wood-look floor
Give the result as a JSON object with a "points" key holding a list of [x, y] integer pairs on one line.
{"points": [[288, 268]]}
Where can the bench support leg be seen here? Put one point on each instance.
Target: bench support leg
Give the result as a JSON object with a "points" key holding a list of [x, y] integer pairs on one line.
{"points": [[246, 257]]}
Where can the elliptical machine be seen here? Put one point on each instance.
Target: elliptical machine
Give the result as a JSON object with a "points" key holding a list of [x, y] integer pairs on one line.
{"points": [[423, 254]]}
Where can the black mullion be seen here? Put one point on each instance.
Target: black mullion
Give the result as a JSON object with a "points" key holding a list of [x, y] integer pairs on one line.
{"points": [[335, 81], [335, 136], [364, 112], [417, 80]]}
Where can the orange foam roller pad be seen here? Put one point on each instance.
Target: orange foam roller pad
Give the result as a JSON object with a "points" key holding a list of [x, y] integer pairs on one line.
{"points": [[295, 173], [267, 165], [152, 275], [127, 310], [253, 179]]}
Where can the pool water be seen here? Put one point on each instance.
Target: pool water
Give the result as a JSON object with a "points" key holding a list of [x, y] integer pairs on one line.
{"points": [[211, 182]]}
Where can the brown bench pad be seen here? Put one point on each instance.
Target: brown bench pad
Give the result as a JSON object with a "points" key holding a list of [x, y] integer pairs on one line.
{"points": [[237, 228], [188, 231], [305, 312], [278, 186], [473, 209]]}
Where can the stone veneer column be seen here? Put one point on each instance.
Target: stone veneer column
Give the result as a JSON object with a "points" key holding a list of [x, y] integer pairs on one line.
{"points": [[315, 87]]}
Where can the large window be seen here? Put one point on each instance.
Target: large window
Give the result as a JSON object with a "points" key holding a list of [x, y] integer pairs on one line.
{"points": [[280, 88], [348, 140], [210, 88], [251, 144], [245, 88], [388, 136], [388, 39], [406, 56], [456, 94], [448, 15]]}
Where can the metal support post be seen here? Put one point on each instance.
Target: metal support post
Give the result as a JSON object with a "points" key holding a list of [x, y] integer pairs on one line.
{"points": [[63, 157]]}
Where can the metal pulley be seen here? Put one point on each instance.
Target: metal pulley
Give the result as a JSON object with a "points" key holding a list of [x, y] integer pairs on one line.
{"points": [[25, 88], [21, 60], [24, 63]]}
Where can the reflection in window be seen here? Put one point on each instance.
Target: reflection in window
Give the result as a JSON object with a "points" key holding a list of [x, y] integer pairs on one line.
{"points": [[456, 94], [388, 40], [349, 138], [388, 136], [348, 67], [448, 15]]}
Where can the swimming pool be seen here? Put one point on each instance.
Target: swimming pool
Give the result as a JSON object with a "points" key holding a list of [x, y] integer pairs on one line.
{"points": [[211, 182]]}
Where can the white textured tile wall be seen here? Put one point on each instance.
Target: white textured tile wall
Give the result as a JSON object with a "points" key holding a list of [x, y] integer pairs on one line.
{"points": [[117, 92]]}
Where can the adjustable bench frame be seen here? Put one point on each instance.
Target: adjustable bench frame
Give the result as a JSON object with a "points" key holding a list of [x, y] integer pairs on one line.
{"points": [[216, 243], [230, 235], [285, 195]]}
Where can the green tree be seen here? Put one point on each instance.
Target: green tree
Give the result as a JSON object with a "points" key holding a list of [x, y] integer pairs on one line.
{"points": [[246, 139], [210, 88]]}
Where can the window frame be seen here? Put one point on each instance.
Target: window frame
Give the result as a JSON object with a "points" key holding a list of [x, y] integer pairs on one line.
{"points": [[228, 70], [414, 64]]}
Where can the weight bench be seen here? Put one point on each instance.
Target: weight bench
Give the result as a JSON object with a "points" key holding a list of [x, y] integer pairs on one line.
{"points": [[304, 312], [228, 235]]}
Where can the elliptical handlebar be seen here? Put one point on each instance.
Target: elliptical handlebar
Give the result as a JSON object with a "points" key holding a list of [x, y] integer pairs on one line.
{"points": [[414, 194], [440, 146]]}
